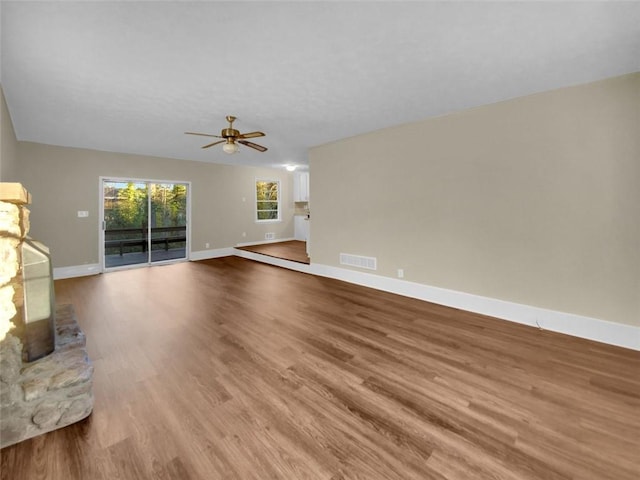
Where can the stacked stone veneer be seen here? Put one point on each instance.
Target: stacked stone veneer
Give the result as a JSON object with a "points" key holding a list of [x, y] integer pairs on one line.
{"points": [[50, 393], [56, 390]]}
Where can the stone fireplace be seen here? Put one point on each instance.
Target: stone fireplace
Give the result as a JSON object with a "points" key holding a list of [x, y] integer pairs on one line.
{"points": [[45, 374]]}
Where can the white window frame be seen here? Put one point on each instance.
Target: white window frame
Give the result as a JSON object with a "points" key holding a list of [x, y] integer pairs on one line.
{"points": [[255, 203]]}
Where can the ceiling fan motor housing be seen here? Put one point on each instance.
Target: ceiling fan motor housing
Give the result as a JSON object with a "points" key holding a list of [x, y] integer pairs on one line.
{"points": [[229, 133]]}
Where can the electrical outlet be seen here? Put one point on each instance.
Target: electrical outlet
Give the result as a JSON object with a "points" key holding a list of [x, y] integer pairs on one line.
{"points": [[206, 245], [83, 214], [400, 273], [269, 236], [244, 234]]}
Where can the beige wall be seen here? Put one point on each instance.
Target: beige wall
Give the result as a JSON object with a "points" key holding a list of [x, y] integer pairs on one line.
{"points": [[64, 180], [535, 200], [8, 145]]}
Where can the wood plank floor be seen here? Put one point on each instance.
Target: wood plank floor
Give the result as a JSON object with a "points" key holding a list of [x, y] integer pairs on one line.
{"points": [[293, 250], [233, 369]]}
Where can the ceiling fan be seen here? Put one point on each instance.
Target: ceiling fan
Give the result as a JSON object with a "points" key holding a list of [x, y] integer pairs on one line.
{"points": [[231, 137]]}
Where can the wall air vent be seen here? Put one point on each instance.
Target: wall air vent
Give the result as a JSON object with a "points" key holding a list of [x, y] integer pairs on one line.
{"points": [[358, 261]]}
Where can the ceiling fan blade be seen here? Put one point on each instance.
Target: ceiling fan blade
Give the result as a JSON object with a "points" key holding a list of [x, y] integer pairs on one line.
{"points": [[202, 134], [251, 135], [214, 143], [260, 148]]}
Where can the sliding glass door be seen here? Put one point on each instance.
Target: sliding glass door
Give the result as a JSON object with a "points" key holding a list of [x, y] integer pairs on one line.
{"points": [[144, 222], [168, 221]]}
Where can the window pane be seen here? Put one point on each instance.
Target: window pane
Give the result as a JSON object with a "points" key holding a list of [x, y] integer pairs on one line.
{"points": [[267, 190], [267, 205], [267, 215]]}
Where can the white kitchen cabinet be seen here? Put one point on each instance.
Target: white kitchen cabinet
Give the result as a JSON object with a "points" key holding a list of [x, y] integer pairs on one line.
{"points": [[301, 187], [301, 228]]}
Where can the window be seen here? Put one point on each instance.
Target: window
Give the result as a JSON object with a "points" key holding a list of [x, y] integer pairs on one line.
{"points": [[267, 200]]}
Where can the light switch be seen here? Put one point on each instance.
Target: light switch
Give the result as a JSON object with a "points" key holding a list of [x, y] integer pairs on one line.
{"points": [[83, 214]]}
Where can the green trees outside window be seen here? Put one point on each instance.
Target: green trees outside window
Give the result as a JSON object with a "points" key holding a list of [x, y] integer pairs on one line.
{"points": [[126, 205], [267, 200]]}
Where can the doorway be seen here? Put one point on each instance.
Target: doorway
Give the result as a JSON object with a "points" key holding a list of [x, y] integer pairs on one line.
{"points": [[144, 222]]}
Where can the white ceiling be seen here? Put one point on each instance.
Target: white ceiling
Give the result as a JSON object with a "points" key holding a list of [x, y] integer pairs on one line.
{"points": [[133, 76]]}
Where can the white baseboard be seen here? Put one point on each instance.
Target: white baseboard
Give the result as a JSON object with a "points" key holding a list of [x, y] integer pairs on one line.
{"points": [[277, 240], [604, 331], [213, 253], [76, 271]]}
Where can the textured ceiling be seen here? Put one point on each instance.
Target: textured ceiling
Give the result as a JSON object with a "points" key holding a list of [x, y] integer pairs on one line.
{"points": [[133, 76]]}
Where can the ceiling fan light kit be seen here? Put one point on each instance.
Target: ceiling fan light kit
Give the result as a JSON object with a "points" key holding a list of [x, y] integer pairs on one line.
{"points": [[230, 147], [231, 137]]}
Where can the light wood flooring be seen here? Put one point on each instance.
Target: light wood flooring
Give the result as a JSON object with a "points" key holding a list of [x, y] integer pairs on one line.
{"points": [[233, 369], [293, 250]]}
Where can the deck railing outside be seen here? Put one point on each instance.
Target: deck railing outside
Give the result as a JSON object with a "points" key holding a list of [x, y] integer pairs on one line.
{"points": [[131, 240]]}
